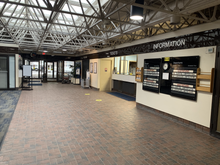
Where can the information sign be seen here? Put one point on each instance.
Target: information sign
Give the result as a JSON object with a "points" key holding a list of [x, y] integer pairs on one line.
{"points": [[151, 80]]}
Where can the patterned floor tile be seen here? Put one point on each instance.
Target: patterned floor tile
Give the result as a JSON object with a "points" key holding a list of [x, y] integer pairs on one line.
{"points": [[58, 124]]}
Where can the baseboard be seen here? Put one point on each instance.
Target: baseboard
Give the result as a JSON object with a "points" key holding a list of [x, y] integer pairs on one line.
{"points": [[175, 119]]}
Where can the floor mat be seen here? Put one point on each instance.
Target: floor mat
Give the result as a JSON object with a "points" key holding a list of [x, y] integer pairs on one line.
{"points": [[122, 96], [8, 102]]}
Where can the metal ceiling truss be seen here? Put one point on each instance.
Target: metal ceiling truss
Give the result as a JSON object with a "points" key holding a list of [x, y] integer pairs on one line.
{"points": [[78, 26]]}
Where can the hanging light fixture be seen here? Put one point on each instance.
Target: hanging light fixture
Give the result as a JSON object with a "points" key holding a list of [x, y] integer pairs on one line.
{"points": [[137, 12], [174, 20]]}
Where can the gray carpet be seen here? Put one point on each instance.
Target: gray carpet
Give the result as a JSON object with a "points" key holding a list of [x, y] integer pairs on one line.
{"points": [[8, 102]]}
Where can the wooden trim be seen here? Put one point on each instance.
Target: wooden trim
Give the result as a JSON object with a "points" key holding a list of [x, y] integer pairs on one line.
{"points": [[139, 74], [205, 76]]}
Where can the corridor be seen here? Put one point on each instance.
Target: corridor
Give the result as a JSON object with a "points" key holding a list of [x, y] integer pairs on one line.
{"points": [[64, 124]]}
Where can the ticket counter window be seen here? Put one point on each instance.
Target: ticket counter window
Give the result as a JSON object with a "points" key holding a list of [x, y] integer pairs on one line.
{"points": [[125, 65], [117, 65]]}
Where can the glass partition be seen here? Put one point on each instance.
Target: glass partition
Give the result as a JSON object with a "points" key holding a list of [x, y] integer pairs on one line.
{"points": [[125, 65], [117, 65]]}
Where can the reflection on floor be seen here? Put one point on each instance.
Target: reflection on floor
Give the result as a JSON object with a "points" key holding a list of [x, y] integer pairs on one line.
{"points": [[8, 102], [64, 124]]}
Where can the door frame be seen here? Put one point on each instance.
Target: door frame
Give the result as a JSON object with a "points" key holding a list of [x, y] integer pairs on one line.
{"points": [[215, 96]]}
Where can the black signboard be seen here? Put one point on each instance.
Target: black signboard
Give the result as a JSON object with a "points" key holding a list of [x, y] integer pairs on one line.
{"points": [[151, 79], [184, 77]]}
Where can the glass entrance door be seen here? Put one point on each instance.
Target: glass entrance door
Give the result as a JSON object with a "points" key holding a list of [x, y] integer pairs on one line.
{"points": [[35, 69], [41, 68], [50, 70], [3, 73]]}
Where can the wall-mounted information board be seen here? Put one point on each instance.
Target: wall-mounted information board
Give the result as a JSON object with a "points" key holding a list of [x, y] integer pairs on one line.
{"points": [[184, 77], [166, 72], [151, 76]]}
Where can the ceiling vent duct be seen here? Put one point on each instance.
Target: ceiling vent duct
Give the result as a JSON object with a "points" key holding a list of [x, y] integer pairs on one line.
{"points": [[174, 20], [137, 12]]}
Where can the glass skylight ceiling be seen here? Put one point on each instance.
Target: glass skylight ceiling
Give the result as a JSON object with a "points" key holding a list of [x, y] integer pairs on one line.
{"points": [[84, 25], [44, 25]]}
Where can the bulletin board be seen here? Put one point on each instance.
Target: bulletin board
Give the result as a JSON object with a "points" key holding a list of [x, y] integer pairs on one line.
{"points": [[27, 71]]}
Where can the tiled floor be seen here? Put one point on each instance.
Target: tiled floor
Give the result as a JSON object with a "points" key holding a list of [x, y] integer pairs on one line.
{"points": [[8, 102], [59, 124]]}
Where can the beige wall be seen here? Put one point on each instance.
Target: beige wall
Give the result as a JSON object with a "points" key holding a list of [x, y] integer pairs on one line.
{"points": [[196, 111]]}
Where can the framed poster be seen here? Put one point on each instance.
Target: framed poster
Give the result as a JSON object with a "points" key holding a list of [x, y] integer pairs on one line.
{"points": [[95, 67], [77, 71], [151, 79], [91, 67]]}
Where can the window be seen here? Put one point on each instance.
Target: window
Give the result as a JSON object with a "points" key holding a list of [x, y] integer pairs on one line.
{"points": [[125, 65], [117, 65], [67, 68]]}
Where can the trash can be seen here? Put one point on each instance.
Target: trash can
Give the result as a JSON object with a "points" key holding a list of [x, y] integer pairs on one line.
{"points": [[44, 77]]}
